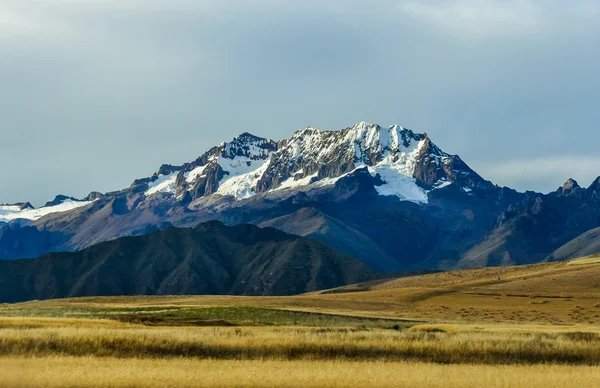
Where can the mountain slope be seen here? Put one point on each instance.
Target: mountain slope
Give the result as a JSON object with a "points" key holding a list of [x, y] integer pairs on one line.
{"points": [[315, 224], [208, 259], [585, 244]]}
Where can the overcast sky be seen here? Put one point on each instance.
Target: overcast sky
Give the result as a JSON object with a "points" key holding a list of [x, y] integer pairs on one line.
{"points": [[96, 93]]}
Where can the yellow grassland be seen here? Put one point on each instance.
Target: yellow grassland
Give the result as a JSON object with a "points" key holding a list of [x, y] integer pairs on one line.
{"points": [[63, 372], [430, 343]]}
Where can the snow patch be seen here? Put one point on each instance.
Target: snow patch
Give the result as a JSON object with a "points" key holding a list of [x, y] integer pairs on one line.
{"points": [[243, 176], [397, 170], [164, 184], [195, 173], [442, 184], [330, 181], [397, 183], [371, 138], [291, 183], [11, 213]]}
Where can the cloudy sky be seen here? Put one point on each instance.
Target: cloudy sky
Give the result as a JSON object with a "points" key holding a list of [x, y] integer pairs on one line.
{"points": [[96, 93]]}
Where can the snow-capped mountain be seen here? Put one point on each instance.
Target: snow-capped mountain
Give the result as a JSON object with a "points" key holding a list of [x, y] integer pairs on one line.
{"points": [[408, 165], [405, 164], [385, 195]]}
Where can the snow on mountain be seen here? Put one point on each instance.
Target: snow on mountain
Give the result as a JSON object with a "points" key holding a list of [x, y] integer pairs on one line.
{"points": [[293, 182], [7, 212], [312, 155], [242, 175], [399, 149], [408, 163], [164, 184], [249, 146], [194, 174], [395, 143], [10, 213], [397, 183]]}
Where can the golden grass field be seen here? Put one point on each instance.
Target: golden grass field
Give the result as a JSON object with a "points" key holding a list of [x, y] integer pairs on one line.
{"points": [[54, 372], [530, 326]]}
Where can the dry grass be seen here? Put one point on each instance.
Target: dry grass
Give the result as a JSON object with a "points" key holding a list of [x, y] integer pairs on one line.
{"points": [[438, 344], [593, 259], [55, 372], [25, 323]]}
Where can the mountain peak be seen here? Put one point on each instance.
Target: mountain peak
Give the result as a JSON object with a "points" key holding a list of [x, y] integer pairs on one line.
{"points": [[167, 169], [364, 125], [25, 206], [595, 184], [570, 184], [569, 187], [247, 136], [249, 146], [59, 199]]}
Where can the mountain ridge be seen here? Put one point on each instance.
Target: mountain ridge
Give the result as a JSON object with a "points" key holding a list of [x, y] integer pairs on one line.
{"points": [[310, 156], [209, 259], [395, 200]]}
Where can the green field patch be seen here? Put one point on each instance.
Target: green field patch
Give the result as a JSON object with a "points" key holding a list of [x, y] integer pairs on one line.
{"points": [[212, 316], [242, 316]]}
